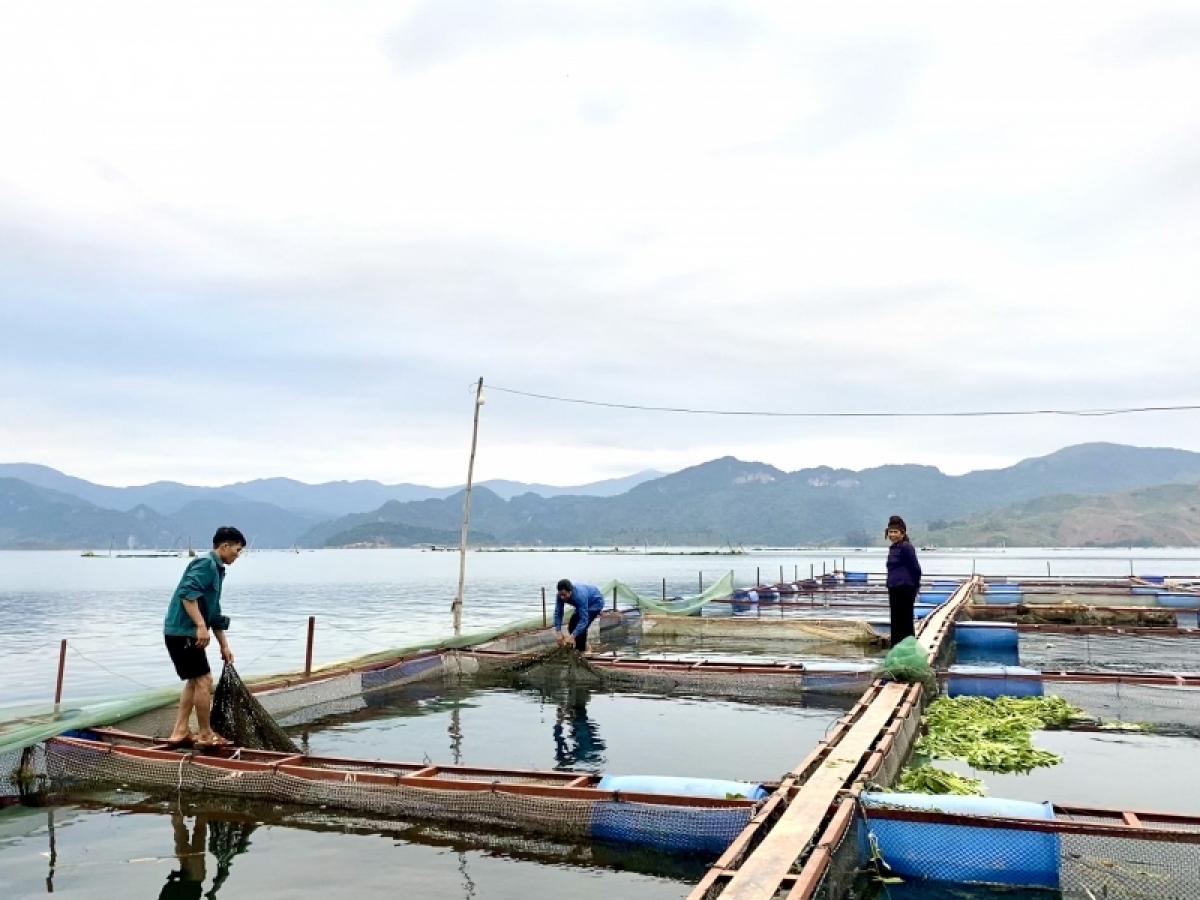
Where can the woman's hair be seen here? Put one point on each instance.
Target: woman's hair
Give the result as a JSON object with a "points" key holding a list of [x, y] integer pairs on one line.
{"points": [[897, 523]]}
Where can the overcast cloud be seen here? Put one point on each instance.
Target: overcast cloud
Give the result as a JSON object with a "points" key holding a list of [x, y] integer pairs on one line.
{"points": [[248, 239]]}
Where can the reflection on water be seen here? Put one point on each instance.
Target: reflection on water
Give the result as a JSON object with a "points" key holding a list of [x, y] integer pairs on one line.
{"points": [[487, 722], [224, 840], [577, 741], [104, 838]]}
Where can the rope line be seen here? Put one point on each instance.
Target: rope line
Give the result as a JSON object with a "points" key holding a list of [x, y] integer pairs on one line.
{"points": [[1083, 413], [75, 649]]}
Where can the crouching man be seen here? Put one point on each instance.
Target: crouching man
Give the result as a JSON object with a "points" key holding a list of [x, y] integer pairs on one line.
{"points": [[588, 603], [193, 619]]}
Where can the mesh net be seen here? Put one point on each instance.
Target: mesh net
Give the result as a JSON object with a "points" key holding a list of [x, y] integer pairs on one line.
{"points": [[237, 716], [908, 662], [1110, 652], [848, 631], [705, 829], [962, 850], [722, 589]]}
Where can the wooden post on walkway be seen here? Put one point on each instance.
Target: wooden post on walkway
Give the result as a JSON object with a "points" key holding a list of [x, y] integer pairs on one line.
{"points": [[62, 668], [312, 625], [544, 608], [462, 550]]}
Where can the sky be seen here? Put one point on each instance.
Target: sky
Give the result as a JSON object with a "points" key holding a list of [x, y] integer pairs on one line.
{"points": [[243, 240]]}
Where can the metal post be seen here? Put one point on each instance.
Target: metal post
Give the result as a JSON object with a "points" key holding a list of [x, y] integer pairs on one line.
{"points": [[462, 550], [543, 607], [812, 571], [62, 666], [758, 576], [700, 577], [312, 624], [781, 574], [796, 572], [614, 598], [1047, 568]]}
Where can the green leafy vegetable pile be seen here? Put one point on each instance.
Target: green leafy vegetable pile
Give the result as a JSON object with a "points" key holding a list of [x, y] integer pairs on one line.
{"points": [[932, 780], [993, 734]]}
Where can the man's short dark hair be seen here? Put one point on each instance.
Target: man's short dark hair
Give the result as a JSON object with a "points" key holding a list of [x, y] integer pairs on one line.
{"points": [[227, 534], [565, 585]]}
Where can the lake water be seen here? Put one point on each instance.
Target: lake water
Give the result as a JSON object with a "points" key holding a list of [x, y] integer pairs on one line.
{"points": [[111, 610], [578, 727]]}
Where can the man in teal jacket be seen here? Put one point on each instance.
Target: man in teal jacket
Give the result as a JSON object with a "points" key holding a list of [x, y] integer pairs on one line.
{"points": [[193, 618]]}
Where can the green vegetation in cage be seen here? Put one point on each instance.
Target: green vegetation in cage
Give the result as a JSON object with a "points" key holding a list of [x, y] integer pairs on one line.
{"points": [[927, 779], [993, 734]]}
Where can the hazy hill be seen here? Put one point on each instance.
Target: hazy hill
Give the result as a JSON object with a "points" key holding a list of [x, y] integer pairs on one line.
{"points": [[723, 501], [1163, 516], [729, 500], [36, 518], [314, 501]]}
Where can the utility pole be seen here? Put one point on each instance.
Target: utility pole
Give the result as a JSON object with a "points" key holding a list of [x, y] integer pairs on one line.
{"points": [[462, 549]]}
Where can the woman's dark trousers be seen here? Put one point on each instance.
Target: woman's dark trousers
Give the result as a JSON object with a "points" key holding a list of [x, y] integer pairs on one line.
{"points": [[901, 600]]}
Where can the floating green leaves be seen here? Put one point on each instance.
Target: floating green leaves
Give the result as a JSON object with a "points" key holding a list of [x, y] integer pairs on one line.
{"points": [[932, 780], [993, 734]]}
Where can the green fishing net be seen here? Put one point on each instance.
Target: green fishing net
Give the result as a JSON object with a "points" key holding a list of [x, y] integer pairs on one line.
{"points": [[239, 717], [908, 662]]}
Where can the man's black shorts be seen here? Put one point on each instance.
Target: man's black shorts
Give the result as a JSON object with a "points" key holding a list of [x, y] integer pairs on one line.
{"points": [[190, 659]]}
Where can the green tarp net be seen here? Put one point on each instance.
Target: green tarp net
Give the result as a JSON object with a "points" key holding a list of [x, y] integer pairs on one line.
{"points": [[722, 589], [33, 725]]}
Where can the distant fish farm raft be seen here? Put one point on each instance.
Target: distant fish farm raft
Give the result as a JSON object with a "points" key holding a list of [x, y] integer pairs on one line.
{"points": [[745, 742]]}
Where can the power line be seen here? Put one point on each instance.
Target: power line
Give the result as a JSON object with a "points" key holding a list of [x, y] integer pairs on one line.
{"points": [[1084, 413]]}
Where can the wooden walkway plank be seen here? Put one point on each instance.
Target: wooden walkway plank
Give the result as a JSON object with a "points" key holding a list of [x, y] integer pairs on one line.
{"points": [[760, 875], [763, 873]]}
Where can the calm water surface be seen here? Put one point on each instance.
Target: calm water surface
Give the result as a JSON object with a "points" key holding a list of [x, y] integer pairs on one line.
{"points": [[138, 847], [145, 848], [111, 609]]}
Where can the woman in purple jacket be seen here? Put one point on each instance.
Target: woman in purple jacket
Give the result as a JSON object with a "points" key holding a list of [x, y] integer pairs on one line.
{"points": [[903, 579]]}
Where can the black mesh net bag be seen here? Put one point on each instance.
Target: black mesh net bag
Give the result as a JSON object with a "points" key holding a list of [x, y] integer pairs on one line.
{"points": [[238, 717]]}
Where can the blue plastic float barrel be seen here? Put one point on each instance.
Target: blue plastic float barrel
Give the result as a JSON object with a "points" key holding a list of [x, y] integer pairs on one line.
{"points": [[856, 577], [963, 853], [935, 597], [675, 829], [994, 681], [985, 634], [1178, 600], [675, 784], [921, 610], [1144, 590], [1153, 579], [841, 675]]}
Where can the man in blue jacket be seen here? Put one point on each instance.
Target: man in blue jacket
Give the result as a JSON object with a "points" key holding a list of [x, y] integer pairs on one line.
{"points": [[588, 603], [193, 619]]}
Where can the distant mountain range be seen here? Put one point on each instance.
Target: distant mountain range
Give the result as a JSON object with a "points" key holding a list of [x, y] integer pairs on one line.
{"points": [[323, 501], [731, 501], [723, 501]]}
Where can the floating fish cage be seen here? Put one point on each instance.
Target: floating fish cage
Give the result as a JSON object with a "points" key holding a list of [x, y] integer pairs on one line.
{"points": [[821, 828]]}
